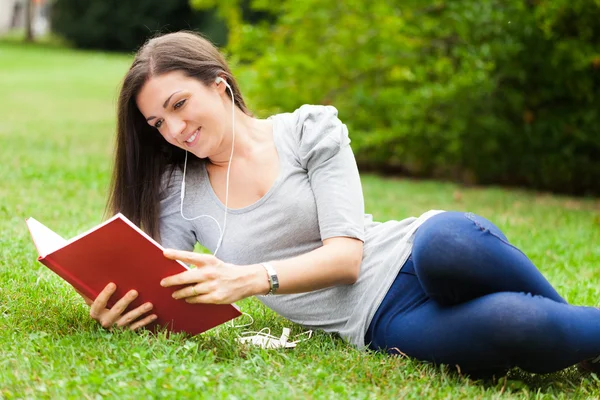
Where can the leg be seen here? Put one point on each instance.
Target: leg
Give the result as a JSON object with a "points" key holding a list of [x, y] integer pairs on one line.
{"points": [[489, 334], [462, 256]]}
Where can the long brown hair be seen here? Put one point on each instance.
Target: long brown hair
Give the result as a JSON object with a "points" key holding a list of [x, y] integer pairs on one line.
{"points": [[142, 155]]}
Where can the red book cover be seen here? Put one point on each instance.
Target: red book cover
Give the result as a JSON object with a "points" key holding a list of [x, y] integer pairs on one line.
{"points": [[118, 251]]}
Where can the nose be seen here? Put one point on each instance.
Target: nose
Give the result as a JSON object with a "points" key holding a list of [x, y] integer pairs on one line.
{"points": [[176, 128]]}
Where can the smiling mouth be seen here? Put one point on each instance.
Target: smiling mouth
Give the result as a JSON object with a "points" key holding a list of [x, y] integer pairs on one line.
{"points": [[192, 138]]}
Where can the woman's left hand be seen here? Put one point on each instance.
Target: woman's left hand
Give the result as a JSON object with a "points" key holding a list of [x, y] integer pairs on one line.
{"points": [[214, 281]]}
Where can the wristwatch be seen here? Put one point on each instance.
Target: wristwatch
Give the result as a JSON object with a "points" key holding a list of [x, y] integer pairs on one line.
{"points": [[273, 279]]}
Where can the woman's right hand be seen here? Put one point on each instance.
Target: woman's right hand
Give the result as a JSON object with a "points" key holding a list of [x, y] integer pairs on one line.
{"points": [[114, 317]]}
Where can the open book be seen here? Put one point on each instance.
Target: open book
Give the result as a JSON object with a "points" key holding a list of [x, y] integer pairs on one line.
{"points": [[118, 251]]}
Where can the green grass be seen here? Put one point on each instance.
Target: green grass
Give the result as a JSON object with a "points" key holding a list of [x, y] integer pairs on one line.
{"points": [[56, 134]]}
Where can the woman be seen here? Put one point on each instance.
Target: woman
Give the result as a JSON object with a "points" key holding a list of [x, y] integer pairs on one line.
{"points": [[446, 287]]}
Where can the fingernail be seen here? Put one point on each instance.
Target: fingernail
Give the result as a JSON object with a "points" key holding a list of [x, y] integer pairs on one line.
{"points": [[133, 293], [153, 317], [148, 307], [174, 296], [111, 286], [162, 283]]}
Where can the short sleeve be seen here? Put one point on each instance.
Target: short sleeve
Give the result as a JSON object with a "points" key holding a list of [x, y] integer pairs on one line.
{"points": [[326, 155], [175, 232]]}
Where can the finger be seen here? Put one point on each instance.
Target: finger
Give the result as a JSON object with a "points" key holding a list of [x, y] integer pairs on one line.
{"points": [[143, 322], [191, 257], [134, 314], [188, 277], [99, 303], [209, 298], [115, 312], [194, 290], [108, 318]]}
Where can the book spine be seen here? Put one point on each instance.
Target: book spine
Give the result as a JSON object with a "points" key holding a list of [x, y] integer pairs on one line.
{"points": [[76, 283]]}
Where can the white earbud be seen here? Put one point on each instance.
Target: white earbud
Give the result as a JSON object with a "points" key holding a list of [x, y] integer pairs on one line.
{"points": [[218, 80]]}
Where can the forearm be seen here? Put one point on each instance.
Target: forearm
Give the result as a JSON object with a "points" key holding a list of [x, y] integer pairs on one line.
{"points": [[337, 262]]}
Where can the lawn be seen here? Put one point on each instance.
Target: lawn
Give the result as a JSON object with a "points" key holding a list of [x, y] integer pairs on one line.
{"points": [[56, 134]]}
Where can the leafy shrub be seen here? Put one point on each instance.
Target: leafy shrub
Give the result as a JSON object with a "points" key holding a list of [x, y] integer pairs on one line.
{"points": [[123, 25], [481, 91]]}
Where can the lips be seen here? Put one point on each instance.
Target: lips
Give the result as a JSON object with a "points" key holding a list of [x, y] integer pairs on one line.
{"points": [[193, 138]]}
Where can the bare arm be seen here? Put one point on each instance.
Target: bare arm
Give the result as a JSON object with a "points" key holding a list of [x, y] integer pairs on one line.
{"points": [[337, 262]]}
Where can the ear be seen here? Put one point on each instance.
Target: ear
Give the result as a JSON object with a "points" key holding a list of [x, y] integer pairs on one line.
{"points": [[221, 84]]}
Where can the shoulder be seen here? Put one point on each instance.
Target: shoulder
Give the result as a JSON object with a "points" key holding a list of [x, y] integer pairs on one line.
{"points": [[314, 121], [312, 113], [309, 117], [316, 129]]}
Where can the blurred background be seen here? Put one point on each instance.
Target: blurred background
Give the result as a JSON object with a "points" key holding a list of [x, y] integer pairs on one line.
{"points": [[474, 91]]}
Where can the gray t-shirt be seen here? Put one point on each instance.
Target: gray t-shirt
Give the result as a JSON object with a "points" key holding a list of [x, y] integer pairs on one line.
{"points": [[317, 195]]}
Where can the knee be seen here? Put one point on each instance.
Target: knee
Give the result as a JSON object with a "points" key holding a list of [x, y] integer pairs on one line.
{"points": [[441, 244], [520, 322]]}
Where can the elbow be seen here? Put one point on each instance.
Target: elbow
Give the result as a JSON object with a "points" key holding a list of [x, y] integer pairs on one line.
{"points": [[347, 255], [353, 269], [352, 277]]}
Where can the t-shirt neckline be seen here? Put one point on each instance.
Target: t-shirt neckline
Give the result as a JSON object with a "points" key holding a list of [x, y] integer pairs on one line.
{"points": [[267, 195]]}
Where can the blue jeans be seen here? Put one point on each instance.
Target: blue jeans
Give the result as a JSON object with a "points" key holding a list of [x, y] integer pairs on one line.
{"points": [[467, 297]]}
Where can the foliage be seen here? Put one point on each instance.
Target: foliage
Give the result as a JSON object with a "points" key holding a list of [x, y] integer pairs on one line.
{"points": [[123, 25], [492, 91]]}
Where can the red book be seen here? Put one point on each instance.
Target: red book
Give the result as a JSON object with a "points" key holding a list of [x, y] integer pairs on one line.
{"points": [[120, 252]]}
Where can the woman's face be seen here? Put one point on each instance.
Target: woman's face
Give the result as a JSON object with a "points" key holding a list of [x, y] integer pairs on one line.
{"points": [[187, 113]]}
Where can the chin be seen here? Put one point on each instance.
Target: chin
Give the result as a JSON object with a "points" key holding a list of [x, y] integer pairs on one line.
{"points": [[197, 153]]}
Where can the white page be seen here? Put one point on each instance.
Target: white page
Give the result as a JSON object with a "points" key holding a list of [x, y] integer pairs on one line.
{"points": [[46, 240]]}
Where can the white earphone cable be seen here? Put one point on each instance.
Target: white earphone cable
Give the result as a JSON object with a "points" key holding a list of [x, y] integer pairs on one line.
{"points": [[228, 167], [183, 196], [221, 231], [263, 338]]}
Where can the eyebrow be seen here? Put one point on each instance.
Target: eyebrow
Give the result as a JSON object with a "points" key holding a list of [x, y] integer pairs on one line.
{"points": [[164, 104]]}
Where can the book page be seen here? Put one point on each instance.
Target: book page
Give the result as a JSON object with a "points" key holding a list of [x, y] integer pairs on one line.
{"points": [[46, 241]]}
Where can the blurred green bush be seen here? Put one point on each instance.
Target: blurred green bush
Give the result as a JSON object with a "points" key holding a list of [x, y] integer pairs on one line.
{"points": [[479, 91], [124, 25]]}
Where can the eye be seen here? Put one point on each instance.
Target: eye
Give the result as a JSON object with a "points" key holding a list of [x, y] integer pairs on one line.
{"points": [[158, 124], [179, 104]]}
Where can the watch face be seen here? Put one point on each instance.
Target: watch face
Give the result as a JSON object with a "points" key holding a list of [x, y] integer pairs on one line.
{"points": [[273, 279]]}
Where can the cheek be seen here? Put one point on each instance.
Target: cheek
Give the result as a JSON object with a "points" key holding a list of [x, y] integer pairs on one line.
{"points": [[205, 114], [214, 122]]}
